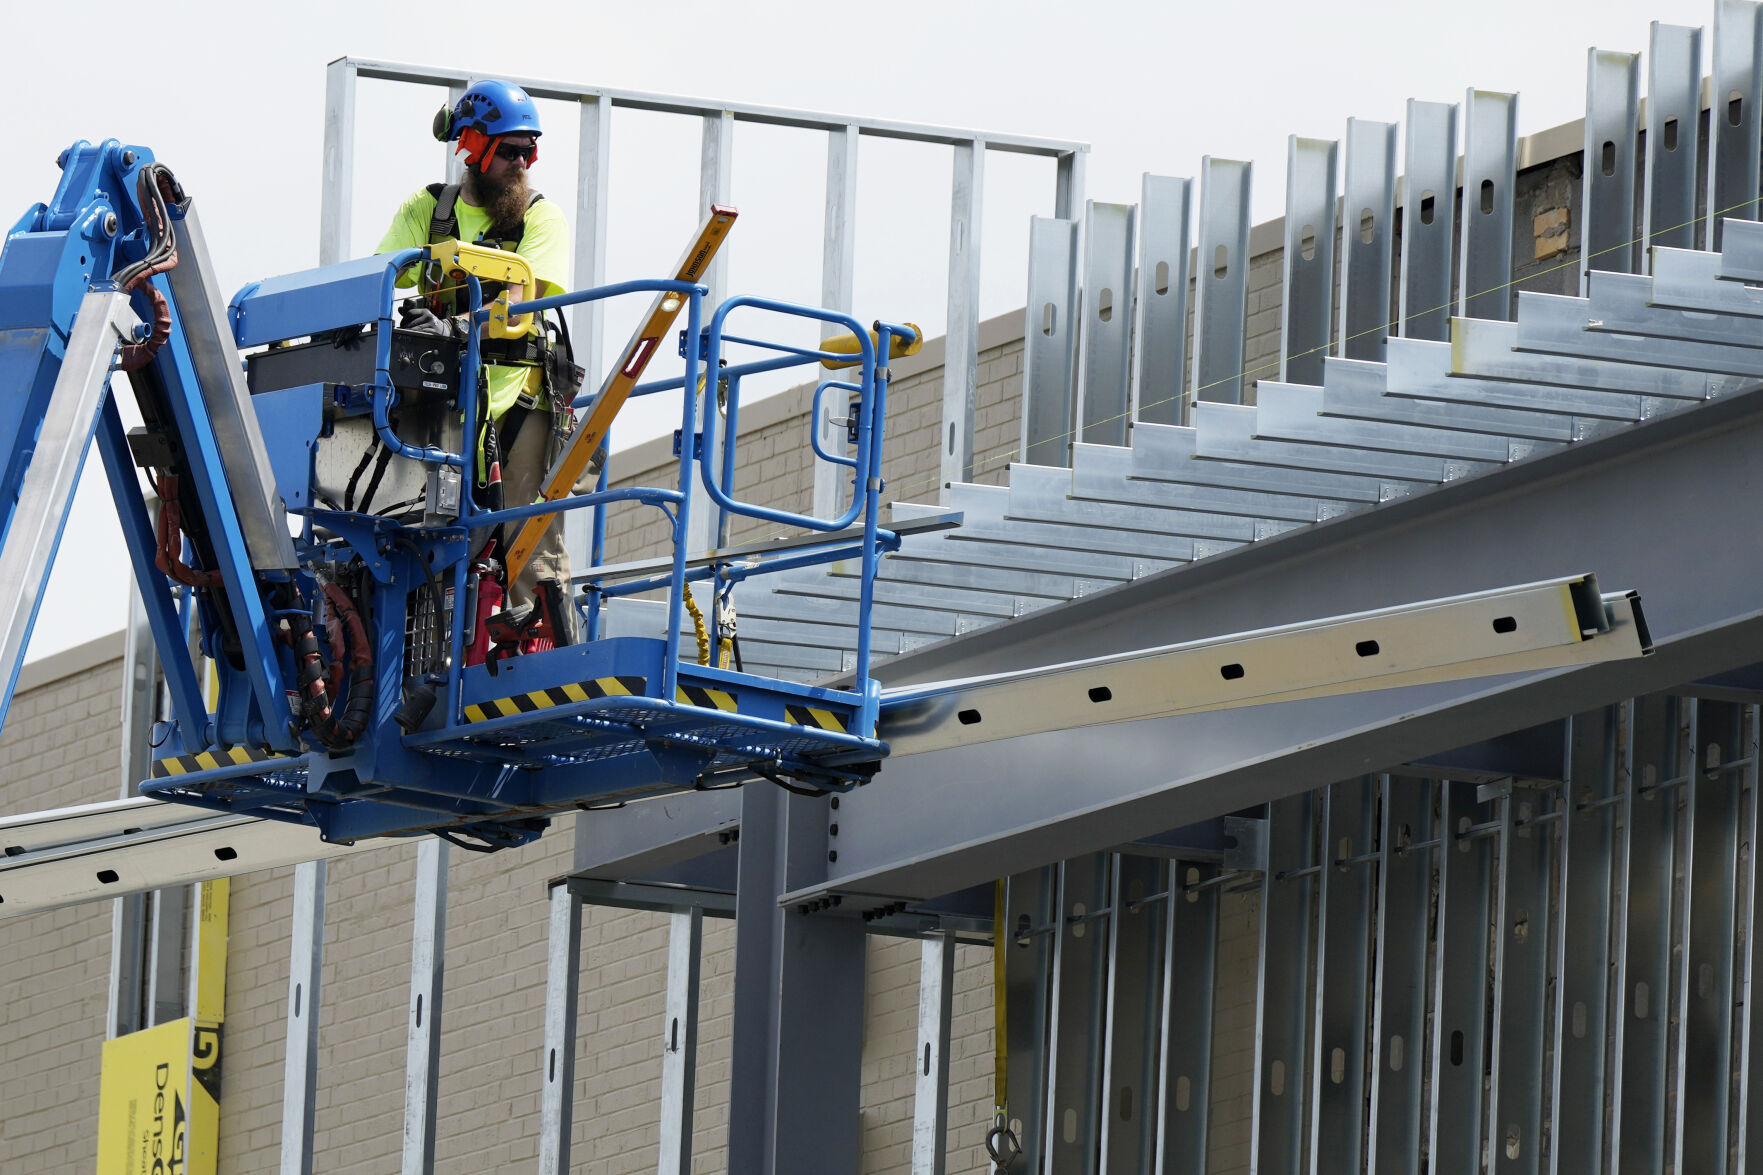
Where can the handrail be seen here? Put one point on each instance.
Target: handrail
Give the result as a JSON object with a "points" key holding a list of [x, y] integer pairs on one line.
{"points": [[865, 459]]}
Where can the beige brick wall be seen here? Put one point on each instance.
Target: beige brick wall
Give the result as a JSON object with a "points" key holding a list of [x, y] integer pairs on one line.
{"points": [[61, 747]]}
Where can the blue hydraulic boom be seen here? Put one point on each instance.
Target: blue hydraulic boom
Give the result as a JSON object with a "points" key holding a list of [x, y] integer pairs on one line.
{"points": [[297, 508]]}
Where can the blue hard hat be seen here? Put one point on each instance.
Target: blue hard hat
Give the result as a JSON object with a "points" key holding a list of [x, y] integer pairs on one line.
{"points": [[492, 108]]}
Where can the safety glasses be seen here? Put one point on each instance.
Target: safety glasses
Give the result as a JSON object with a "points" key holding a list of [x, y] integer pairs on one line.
{"points": [[512, 153]]}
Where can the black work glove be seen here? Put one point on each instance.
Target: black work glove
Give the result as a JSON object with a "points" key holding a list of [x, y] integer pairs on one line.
{"points": [[416, 316]]}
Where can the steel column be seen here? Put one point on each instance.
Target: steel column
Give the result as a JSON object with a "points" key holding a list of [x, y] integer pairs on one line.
{"points": [[1282, 1003], [1190, 966], [337, 197], [1162, 314], [930, 1099], [1733, 135], [1074, 1034], [1068, 183], [1049, 355], [1135, 959], [1490, 157], [1749, 1129], [563, 960], [1368, 218], [1428, 220], [1674, 114], [715, 180], [1400, 1003], [1460, 983], [1221, 289], [1657, 753], [168, 924], [1026, 937], [593, 179], [961, 338], [1705, 959], [1591, 789], [679, 1048], [1307, 305], [300, 1070], [758, 926], [838, 265], [1105, 387], [1521, 978], [428, 968], [1606, 209], [1343, 949]]}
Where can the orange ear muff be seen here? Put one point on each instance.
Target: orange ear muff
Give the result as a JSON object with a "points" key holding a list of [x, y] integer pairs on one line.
{"points": [[475, 144]]}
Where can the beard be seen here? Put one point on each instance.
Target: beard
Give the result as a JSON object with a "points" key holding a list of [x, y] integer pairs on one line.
{"points": [[506, 202]]}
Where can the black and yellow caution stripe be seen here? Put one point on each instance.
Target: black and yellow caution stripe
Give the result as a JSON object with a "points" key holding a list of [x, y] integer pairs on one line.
{"points": [[815, 717], [557, 695], [709, 699], [209, 760]]}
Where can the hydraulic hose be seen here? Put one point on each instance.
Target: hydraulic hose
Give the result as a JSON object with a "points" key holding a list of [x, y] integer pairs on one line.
{"points": [[154, 187]]}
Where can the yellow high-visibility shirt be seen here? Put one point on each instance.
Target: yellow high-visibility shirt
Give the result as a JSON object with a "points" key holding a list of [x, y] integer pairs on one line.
{"points": [[544, 245]]}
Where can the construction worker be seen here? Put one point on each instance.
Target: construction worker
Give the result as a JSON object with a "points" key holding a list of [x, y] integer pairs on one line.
{"points": [[529, 384]]}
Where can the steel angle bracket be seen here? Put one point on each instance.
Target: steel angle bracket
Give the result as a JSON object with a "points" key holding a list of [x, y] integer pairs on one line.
{"points": [[1539, 626]]}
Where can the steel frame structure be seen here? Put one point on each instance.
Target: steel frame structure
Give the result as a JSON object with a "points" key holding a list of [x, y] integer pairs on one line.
{"points": [[1471, 940]]}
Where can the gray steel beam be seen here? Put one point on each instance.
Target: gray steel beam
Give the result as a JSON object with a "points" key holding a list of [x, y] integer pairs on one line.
{"points": [[563, 961], [930, 1081], [1105, 390], [961, 337], [1733, 147], [1049, 355], [1307, 303], [838, 266], [1465, 536], [428, 970], [1705, 958], [1674, 107], [1162, 315], [639, 839], [1074, 1032], [1595, 764], [1343, 951], [1521, 980], [679, 1047], [1190, 979], [1612, 109], [1282, 1020], [1428, 220], [1222, 283], [1132, 1021], [1657, 730], [1399, 995], [300, 1067], [1460, 986], [1490, 159], [1368, 233]]}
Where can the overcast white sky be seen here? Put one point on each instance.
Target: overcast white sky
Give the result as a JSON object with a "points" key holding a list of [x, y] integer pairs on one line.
{"points": [[232, 97]]}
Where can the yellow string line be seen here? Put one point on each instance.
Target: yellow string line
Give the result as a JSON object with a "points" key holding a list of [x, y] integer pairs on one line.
{"points": [[1382, 329]]}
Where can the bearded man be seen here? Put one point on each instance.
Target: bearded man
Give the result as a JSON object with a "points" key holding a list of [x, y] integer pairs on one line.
{"points": [[496, 126]]}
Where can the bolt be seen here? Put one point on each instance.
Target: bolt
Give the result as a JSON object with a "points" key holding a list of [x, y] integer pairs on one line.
{"points": [[110, 224], [833, 855], [128, 158], [833, 831], [835, 803]]}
